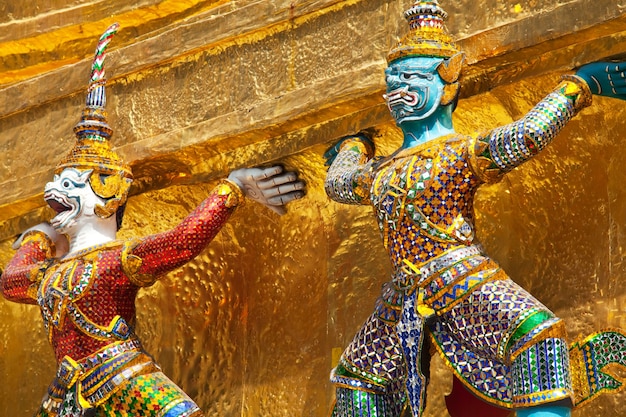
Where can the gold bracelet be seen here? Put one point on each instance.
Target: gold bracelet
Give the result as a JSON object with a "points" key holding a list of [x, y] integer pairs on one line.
{"points": [[46, 244], [230, 188], [578, 87]]}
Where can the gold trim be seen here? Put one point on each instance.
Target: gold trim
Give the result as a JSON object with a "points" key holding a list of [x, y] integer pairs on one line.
{"points": [[131, 264], [479, 164], [576, 86], [45, 242], [234, 193], [497, 275], [555, 331]]}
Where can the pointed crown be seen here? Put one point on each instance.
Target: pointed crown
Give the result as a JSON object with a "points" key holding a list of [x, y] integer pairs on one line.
{"points": [[111, 177], [427, 33]]}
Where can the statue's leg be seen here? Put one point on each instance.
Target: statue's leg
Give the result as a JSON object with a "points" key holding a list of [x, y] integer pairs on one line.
{"points": [[410, 331], [540, 373], [370, 375], [144, 394], [353, 402], [517, 345]]}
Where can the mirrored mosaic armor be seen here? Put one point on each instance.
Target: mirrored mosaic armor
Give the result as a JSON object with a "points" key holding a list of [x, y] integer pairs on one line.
{"points": [[501, 343]]}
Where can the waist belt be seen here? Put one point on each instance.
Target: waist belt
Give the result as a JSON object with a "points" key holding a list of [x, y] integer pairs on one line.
{"points": [[96, 377], [410, 275]]}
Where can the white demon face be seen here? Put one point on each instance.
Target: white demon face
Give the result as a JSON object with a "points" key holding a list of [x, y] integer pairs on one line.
{"points": [[414, 89], [71, 196]]}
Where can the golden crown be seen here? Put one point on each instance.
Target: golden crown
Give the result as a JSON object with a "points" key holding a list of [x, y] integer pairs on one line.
{"points": [[427, 33], [111, 177]]}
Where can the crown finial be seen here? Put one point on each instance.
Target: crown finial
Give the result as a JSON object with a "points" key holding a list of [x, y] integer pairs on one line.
{"points": [[427, 33]]}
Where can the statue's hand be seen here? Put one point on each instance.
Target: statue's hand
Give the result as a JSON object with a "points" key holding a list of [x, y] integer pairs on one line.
{"points": [[605, 78], [60, 241], [332, 152], [271, 186]]}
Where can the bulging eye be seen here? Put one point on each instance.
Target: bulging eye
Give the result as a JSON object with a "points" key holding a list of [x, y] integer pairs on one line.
{"points": [[66, 183], [408, 76]]}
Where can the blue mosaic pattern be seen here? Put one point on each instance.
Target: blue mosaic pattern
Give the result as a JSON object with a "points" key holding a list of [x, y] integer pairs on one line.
{"points": [[355, 403], [423, 200], [411, 334], [541, 374], [511, 145]]}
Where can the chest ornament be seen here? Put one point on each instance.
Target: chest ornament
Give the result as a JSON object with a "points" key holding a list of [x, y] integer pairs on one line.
{"points": [[62, 286]]}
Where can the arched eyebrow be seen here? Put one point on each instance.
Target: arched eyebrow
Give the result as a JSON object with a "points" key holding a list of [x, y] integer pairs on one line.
{"points": [[419, 68]]}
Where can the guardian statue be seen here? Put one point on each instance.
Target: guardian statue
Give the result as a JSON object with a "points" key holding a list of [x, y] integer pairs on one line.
{"points": [[503, 346]]}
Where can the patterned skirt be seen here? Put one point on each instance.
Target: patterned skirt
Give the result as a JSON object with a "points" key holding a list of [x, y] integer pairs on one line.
{"points": [[121, 381]]}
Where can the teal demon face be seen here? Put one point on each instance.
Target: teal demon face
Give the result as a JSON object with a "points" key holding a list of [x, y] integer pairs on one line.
{"points": [[414, 88], [71, 196]]}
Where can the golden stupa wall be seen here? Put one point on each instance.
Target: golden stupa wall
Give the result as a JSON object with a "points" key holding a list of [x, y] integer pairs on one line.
{"points": [[197, 88]]}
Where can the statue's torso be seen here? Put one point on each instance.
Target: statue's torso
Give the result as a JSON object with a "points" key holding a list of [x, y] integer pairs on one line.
{"points": [[423, 201], [87, 302]]}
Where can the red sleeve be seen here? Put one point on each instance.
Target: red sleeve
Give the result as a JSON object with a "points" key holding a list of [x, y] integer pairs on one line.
{"points": [[20, 280], [147, 259]]}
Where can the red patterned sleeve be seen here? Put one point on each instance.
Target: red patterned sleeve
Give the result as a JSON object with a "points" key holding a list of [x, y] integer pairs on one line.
{"points": [[20, 280], [145, 260]]}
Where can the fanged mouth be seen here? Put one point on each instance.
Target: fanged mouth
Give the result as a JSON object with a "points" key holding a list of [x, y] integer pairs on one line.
{"points": [[58, 206], [64, 207], [402, 96]]}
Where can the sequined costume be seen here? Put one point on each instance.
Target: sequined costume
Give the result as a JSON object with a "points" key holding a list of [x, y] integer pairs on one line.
{"points": [[503, 344], [87, 303]]}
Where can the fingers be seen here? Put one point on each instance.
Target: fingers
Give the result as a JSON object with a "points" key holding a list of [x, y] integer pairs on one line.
{"points": [[616, 75], [281, 200], [259, 174], [616, 85], [269, 186], [277, 180], [281, 189], [615, 68], [617, 79]]}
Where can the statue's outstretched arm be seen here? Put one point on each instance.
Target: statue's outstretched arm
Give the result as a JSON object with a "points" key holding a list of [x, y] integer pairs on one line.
{"points": [[147, 259], [350, 176], [506, 147]]}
